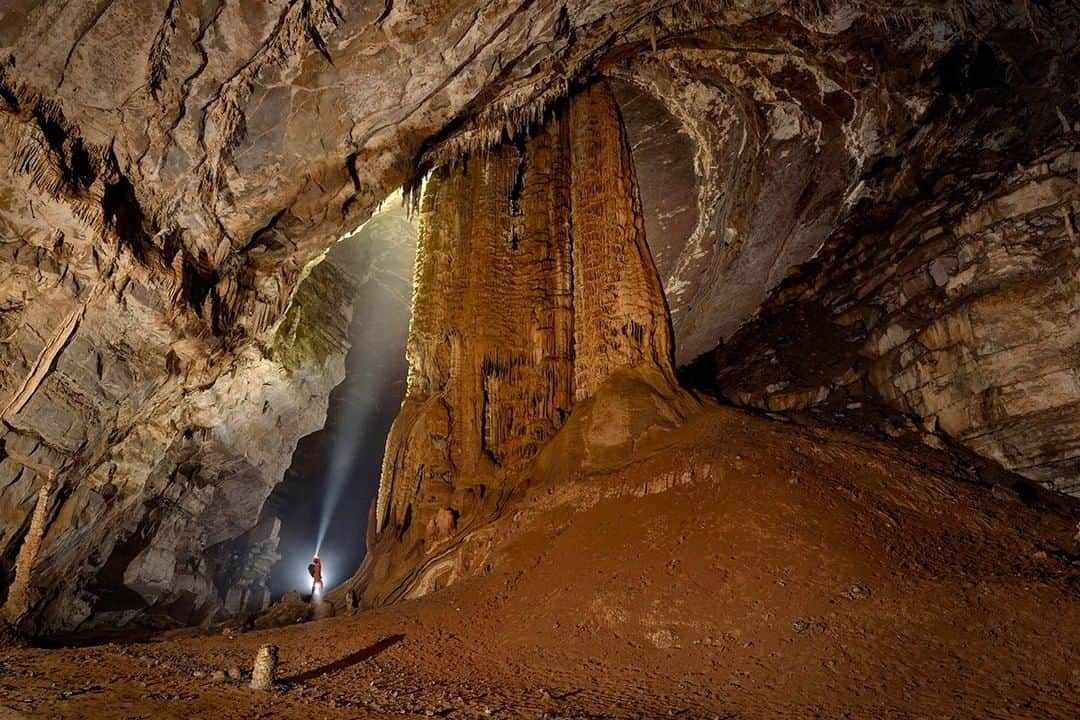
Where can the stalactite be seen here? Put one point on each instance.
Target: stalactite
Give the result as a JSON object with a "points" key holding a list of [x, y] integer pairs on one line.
{"points": [[161, 50]]}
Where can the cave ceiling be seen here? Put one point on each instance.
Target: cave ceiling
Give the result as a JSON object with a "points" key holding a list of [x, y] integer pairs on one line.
{"points": [[237, 140]]}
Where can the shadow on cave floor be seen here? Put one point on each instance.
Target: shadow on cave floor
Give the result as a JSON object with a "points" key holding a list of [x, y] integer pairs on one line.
{"points": [[346, 662]]}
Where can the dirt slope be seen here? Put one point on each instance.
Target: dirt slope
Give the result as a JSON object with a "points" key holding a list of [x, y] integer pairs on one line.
{"points": [[734, 567]]}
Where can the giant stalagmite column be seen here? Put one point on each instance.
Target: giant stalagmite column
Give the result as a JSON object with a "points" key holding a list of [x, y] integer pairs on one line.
{"points": [[533, 284], [490, 341]]}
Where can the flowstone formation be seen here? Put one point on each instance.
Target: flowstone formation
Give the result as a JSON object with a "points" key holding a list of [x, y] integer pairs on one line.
{"points": [[534, 284]]}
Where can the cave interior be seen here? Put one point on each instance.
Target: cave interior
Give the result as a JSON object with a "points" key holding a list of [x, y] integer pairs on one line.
{"points": [[734, 345]]}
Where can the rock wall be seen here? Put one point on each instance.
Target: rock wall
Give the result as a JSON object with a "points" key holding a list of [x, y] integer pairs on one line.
{"points": [[970, 322], [162, 528], [534, 285], [744, 159], [754, 142]]}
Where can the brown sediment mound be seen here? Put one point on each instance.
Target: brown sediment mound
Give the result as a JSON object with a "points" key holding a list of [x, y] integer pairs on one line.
{"points": [[729, 566]]}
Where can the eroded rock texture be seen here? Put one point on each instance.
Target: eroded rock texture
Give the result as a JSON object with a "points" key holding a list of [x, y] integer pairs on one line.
{"points": [[164, 519], [172, 168], [534, 285], [970, 322], [620, 318]]}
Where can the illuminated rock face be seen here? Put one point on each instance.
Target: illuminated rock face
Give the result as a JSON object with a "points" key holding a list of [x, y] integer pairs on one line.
{"points": [[491, 330], [164, 525], [965, 315], [534, 284]]}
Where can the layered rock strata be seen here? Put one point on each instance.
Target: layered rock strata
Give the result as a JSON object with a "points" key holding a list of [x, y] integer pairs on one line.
{"points": [[965, 315], [534, 284], [161, 528]]}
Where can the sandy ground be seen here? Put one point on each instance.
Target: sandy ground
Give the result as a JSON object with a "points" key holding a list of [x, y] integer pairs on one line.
{"points": [[782, 572]]}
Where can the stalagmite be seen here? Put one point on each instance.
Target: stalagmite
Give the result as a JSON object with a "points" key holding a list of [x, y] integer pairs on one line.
{"points": [[20, 594], [262, 674], [533, 285], [491, 332], [620, 317]]}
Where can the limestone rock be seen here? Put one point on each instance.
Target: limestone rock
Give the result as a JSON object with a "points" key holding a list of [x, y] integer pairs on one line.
{"points": [[173, 171], [534, 286], [170, 510], [991, 360]]}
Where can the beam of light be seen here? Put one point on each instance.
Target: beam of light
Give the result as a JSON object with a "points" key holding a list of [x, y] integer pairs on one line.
{"points": [[366, 359], [342, 457]]}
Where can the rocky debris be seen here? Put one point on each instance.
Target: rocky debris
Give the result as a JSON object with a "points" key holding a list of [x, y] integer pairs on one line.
{"points": [[804, 627], [856, 592], [663, 639]]}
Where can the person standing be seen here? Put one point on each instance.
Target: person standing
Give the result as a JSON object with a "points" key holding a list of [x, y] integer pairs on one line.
{"points": [[315, 570]]}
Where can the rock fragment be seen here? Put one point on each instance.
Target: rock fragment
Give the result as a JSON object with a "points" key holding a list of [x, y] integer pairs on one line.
{"points": [[265, 669]]}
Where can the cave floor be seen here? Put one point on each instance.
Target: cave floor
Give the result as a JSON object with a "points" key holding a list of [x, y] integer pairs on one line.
{"points": [[796, 573]]}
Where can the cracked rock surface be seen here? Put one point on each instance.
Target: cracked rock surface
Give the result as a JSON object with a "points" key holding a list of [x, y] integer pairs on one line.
{"points": [[900, 178]]}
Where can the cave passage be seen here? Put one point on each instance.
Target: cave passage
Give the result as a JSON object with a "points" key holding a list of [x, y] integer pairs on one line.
{"points": [[334, 473]]}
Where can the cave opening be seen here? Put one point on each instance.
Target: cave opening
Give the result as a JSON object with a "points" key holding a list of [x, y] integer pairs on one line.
{"points": [[323, 501]]}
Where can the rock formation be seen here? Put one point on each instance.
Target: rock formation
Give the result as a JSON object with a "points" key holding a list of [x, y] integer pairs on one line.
{"points": [[969, 322], [174, 170], [167, 522], [620, 317], [21, 597], [534, 284]]}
